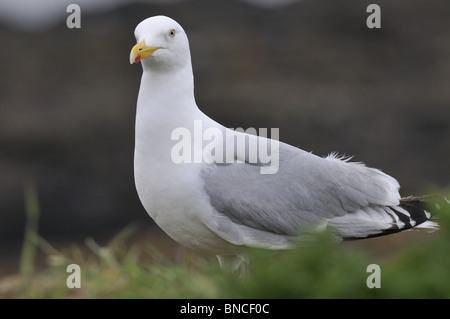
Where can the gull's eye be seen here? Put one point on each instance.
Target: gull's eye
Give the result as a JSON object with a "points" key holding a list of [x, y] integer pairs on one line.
{"points": [[172, 33]]}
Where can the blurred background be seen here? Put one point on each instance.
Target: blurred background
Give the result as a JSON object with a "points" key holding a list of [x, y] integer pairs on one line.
{"points": [[312, 68]]}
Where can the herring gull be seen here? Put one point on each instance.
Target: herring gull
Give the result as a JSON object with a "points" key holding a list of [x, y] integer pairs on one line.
{"points": [[212, 196]]}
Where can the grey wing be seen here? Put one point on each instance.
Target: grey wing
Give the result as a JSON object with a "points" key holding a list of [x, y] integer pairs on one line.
{"points": [[304, 193]]}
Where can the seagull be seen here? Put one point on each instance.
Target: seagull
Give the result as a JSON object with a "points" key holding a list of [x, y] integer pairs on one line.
{"points": [[212, 196]]}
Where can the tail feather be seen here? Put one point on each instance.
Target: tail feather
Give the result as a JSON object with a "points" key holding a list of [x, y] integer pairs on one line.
{"points": [[411, 213]]}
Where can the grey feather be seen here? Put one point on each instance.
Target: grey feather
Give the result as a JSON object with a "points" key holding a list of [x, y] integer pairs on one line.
{"points": [[306, 191]]}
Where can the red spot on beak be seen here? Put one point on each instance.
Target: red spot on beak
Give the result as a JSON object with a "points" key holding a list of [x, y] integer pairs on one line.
{"points": [[137, 59]]}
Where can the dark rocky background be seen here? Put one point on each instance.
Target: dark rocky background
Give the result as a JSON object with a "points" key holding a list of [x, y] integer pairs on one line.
{"points": [[312, 69]]}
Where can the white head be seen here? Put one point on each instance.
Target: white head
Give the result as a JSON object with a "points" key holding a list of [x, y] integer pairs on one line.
{"points": [[161, 44]]}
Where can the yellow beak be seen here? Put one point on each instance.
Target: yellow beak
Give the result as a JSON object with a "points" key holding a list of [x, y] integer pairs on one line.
{"points": [[141, 51]]}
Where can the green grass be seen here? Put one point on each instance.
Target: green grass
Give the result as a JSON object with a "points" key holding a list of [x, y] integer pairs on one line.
{"points": [[324, 269], [27, 258]]}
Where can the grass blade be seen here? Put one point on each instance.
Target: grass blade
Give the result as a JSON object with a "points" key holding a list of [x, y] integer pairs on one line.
{"points": [[28, 254]]}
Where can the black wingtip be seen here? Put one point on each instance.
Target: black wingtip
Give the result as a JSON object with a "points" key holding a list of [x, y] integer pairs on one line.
{"points": [[413, 212]]}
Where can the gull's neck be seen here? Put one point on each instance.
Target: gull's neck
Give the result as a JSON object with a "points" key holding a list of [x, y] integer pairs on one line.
{"points": [[167, 92], [165, 102]]}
